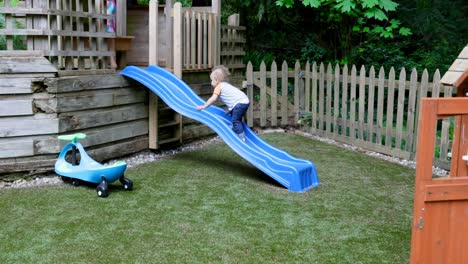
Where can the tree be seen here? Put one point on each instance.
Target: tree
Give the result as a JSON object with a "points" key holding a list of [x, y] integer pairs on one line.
{"points": [[352, 21]]}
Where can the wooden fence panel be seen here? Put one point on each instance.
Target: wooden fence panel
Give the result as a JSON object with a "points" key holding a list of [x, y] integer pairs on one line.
{"points": [[263, 97], [344, 102], [274, 94], [321, 98], [284, 94], [250, 81], [370, 105], [411, 110], [314, 95], [307, 88], [336, 99], [380, 106], [352, 130], [297, 103], [369, 111], [400, 108], [390, 108], [328, 98]]}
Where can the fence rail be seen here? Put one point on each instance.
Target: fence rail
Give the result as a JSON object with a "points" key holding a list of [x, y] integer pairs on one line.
{"points": [[195, 35], [70, 33], [375, 110]]}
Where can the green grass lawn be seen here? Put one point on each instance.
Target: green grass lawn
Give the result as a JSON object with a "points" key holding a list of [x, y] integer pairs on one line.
{"points": [[211, 206]]}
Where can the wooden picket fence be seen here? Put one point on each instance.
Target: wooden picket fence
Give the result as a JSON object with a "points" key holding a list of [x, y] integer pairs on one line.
{"points": [[352, 107]]}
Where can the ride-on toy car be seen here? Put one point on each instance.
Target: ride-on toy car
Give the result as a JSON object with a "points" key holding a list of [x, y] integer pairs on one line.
{"points": [[87, 169]]}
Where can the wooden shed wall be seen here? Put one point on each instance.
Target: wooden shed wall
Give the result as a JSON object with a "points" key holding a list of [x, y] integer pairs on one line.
{"points": [[36, 106]]}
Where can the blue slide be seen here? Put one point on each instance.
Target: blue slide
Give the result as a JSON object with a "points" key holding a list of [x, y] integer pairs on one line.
{"points": [[298, 175]]}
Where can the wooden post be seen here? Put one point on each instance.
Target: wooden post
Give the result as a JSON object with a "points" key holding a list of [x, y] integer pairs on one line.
{"points": [[216, 9], [169, 33], [177, 52], [153, 60], [121, 18]]}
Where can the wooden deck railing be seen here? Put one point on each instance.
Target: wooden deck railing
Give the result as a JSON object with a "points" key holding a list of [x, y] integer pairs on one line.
{"points": [[195, 38], [71, 34]]}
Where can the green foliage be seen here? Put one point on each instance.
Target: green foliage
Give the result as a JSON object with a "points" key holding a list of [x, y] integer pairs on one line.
{"points": [[363, 13], [17, 40]]}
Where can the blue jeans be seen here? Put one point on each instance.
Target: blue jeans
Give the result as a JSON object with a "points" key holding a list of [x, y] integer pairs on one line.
{"points": [[237, 113]]}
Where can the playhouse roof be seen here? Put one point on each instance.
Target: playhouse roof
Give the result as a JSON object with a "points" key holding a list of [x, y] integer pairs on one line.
{"points": [[458, 72]]}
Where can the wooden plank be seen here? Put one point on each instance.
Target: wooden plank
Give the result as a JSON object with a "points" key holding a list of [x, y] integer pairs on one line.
{"points": [[98, 98], [14, 107], [307, 77], [370, 105], [114, 132], [352, 99], [284, 94], [380, 105], [99, 117], [321, 98], [196, 131], [16, 148], [445, 145], [26, 65], [88, 82], [52, 11], [446, 192], [274, 94], [297, 104], [178, 46], [390, 108], [344, 101], [336, 99], [199, 41], [400, 108], [249, 73], [459, 65], [31, 125], [362, 101], [17, 85], [33, 164], [411, 111], [450, 77], [424, 87], [328, 98], [263, 101], [118, 149]]}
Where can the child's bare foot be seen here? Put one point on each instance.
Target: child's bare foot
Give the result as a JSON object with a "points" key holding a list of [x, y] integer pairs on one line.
{"points": [[113, 64]]}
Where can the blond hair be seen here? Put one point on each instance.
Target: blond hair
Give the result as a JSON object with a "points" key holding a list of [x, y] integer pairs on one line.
{"points": [[220, 73]]}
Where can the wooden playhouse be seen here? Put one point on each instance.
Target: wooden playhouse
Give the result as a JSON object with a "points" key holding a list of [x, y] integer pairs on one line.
{"points": [[440, 216], [55, 77]]}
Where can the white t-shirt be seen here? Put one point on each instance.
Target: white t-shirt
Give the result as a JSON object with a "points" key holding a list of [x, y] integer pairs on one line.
{"points": [[230, 95]]}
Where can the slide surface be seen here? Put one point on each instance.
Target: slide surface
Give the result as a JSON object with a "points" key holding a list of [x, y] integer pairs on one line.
{"points": [[297, 175]]}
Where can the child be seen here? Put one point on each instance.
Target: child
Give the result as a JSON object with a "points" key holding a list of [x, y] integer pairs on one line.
{"points": [[235, 100], [110, 28]]}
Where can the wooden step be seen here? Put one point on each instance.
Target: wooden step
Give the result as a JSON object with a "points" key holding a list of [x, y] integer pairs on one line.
{"points": [[169, 140], [173, 123]]}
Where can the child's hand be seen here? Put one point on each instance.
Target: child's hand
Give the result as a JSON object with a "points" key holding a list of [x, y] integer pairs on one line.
{"points": [[200, 107]]}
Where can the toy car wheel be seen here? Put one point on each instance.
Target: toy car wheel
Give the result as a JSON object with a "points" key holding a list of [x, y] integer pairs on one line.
{"points": [[75, 182], [103, 188], [65, 179], [127, 183], [101, 191]]}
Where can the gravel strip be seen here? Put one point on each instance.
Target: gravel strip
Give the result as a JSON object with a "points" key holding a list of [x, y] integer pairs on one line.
{"points": [[147, 156]]}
